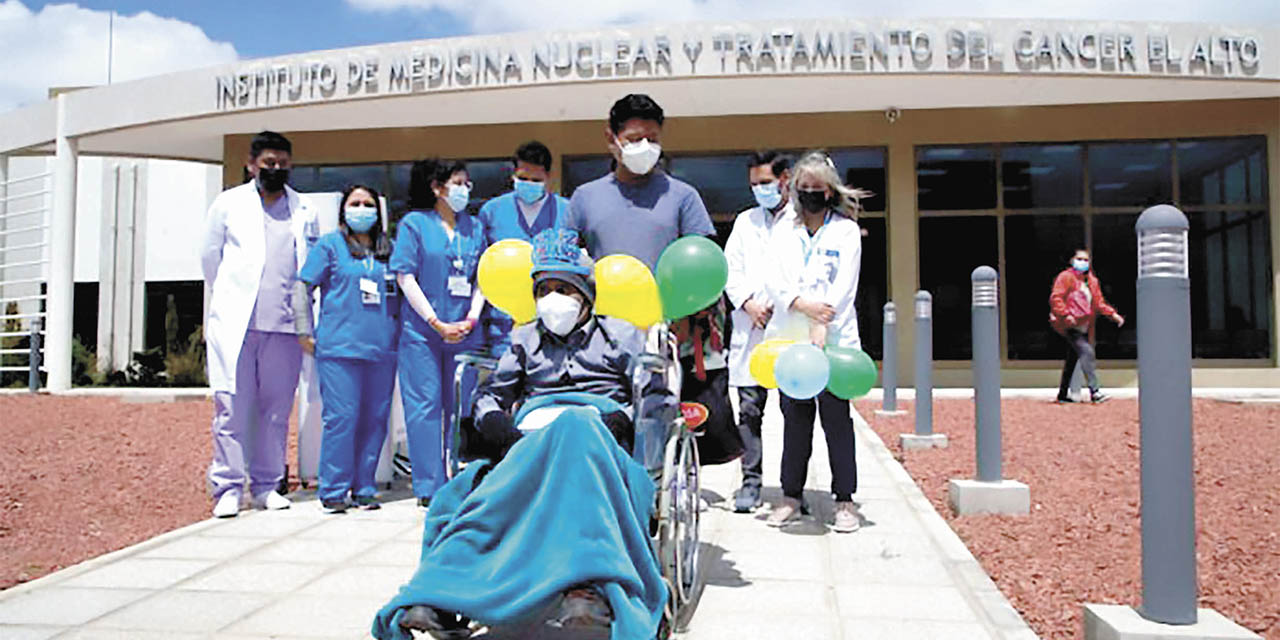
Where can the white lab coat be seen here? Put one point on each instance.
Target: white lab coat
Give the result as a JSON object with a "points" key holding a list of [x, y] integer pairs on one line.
{"points": [[232, 256], [829, 275], [747, 252]]}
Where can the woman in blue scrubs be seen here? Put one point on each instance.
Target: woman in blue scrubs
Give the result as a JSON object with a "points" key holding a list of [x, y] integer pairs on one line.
{"points": [[438, 247], [355, 347]]}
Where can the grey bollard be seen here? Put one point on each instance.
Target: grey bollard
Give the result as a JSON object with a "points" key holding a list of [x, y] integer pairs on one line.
{"points": [[1164, 392], [924, 363], [986, 371], [33, 357], [889, 363]]}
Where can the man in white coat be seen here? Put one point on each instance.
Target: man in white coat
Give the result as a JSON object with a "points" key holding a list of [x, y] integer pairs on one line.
{"points": [[256, 237], [746, 251]]}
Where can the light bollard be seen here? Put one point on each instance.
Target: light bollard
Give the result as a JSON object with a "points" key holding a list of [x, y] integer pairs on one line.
{"points": [[33, 355], [990, 492], [889, 363], [1167, 475], [924, 437]]}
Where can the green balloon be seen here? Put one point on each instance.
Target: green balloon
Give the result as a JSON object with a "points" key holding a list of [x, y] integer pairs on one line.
{"points": [[692, 272], [853, 372]]}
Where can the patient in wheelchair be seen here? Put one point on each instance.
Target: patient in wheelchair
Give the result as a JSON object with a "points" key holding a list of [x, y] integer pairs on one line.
{"points": [[560, 509]]}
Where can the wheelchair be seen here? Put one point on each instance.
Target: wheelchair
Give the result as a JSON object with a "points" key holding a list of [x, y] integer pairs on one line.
{"points": [[668, 451]]}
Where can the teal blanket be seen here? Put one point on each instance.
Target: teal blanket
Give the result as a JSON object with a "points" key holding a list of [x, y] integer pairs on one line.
{"points": [[566, 506]]}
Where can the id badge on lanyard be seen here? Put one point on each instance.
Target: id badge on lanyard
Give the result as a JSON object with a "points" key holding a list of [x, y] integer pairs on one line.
{"points": [[458, 283], [370, 291]]}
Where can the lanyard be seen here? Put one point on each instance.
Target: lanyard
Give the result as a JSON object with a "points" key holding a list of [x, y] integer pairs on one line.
{"points": [[811, 242], [455, 243]]}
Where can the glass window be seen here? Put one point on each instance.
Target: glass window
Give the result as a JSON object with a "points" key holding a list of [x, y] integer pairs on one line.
{"points": [[303, 180], [1229, 170], [1230, 285], [873, 285], [949, 178], [864, 169], [721, 180], [1037, 248], [1115, 262], [1137, 174], [489, 178], [951, 248], [1042, 175], [583, 169], [188, 306], [338, 178]]}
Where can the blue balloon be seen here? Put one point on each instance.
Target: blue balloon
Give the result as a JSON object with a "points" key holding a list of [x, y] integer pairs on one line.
{"points": [[802, 371]]}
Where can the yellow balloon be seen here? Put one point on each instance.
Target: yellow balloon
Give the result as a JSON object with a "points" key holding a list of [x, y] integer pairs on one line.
{"points": [[505, 279], [625, 289], [762, 359]]}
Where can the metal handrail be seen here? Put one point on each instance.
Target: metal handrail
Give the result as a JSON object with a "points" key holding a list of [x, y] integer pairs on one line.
{"points": [[19, 247], [16, 334], [22, 298], [26, 179], [15, 316], [15, 214], [19, 196], [28, 263], [20, 369], [40, 227], [7, 283]]}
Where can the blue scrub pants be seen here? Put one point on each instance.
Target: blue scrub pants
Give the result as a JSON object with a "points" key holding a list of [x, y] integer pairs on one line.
{"points": [[426, 387], [356, 395]]}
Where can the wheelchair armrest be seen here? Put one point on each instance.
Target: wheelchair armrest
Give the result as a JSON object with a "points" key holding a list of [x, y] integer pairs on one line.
{"points": [[478, 360]]}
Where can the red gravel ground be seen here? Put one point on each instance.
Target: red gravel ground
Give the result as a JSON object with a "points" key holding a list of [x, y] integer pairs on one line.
{"points": [[83, 476], [1081, 542]]}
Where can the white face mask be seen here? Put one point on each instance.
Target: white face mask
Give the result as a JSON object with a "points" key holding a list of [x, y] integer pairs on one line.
{"points": [[559, 313], [640, 157]]}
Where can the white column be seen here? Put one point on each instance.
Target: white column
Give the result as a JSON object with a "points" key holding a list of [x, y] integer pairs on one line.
{"points": [[61, 247], [107, 270]]}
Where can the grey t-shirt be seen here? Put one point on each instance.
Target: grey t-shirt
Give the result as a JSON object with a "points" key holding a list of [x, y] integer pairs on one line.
{"points": [[638, 219]]}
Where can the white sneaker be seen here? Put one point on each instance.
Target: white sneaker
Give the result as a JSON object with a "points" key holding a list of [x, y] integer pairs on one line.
{"points": [[847, 518], [271, 501], [785, 513], [228, 505]]}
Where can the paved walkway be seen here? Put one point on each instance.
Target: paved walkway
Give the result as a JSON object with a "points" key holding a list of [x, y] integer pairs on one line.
{"points": [[303, 574]]}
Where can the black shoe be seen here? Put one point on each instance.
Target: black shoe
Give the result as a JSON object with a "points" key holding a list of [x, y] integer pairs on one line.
{"points": [[1066, 400], [368, 503], [1098, 397], [425, 503], [440, 624], [334, 506], [747, 499], [583, 607]]}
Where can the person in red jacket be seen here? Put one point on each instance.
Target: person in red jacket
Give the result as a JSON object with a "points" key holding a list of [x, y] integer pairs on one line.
{"points": [[1075, 302]]}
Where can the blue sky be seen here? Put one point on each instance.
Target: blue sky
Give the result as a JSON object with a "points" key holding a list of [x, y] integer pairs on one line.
{"points": [[64, 44]]}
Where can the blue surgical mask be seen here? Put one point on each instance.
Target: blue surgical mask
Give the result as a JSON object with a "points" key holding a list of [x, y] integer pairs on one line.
{"points": [[1080, 265], [529, 191], [459, 196], [360, 219], [767, 194]]}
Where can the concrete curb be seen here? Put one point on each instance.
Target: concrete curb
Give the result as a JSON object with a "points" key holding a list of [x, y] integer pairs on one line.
{"points": [[960, 562]]}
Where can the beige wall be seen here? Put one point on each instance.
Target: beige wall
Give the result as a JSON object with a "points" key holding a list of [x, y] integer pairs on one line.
{"points": [[866, 128]]}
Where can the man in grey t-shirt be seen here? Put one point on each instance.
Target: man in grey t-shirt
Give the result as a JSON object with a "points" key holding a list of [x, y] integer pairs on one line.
{"points": [[637, 209]]}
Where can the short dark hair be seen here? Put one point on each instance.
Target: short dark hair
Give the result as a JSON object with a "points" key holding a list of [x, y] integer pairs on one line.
{"points": [[533, 152], [778, 161], [631, 106], [424, 175], [269, 140], [381, 245]]}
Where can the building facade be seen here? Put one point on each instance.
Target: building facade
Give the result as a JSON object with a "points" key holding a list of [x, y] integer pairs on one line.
{"points": [[1002, 142]]}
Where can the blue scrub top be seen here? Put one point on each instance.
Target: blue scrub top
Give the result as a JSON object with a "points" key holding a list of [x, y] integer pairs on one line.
{"points": [[348, 327], [424, 250], [502, 220]]}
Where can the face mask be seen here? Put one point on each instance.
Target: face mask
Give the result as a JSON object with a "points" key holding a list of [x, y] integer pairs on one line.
{"points": [[640, 157], [272, 180], [1080, 265], [360, 219], [812, 201], [767, 194], [529, 191], [459, 196], [559, 313]]}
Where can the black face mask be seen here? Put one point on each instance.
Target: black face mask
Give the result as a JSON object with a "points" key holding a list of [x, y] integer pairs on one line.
{"points": [[812, 201], [272, 180]]}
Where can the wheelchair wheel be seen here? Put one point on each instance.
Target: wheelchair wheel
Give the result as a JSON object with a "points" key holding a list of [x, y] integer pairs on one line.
{"points": [[678, 528]]}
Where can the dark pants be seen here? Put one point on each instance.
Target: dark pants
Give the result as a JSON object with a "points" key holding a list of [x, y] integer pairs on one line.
{"points": [[797, 444], [1078, 350], [751, 401]]}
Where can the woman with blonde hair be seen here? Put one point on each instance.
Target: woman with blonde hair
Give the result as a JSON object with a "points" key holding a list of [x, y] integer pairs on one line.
{"points": [[813, 287]]}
